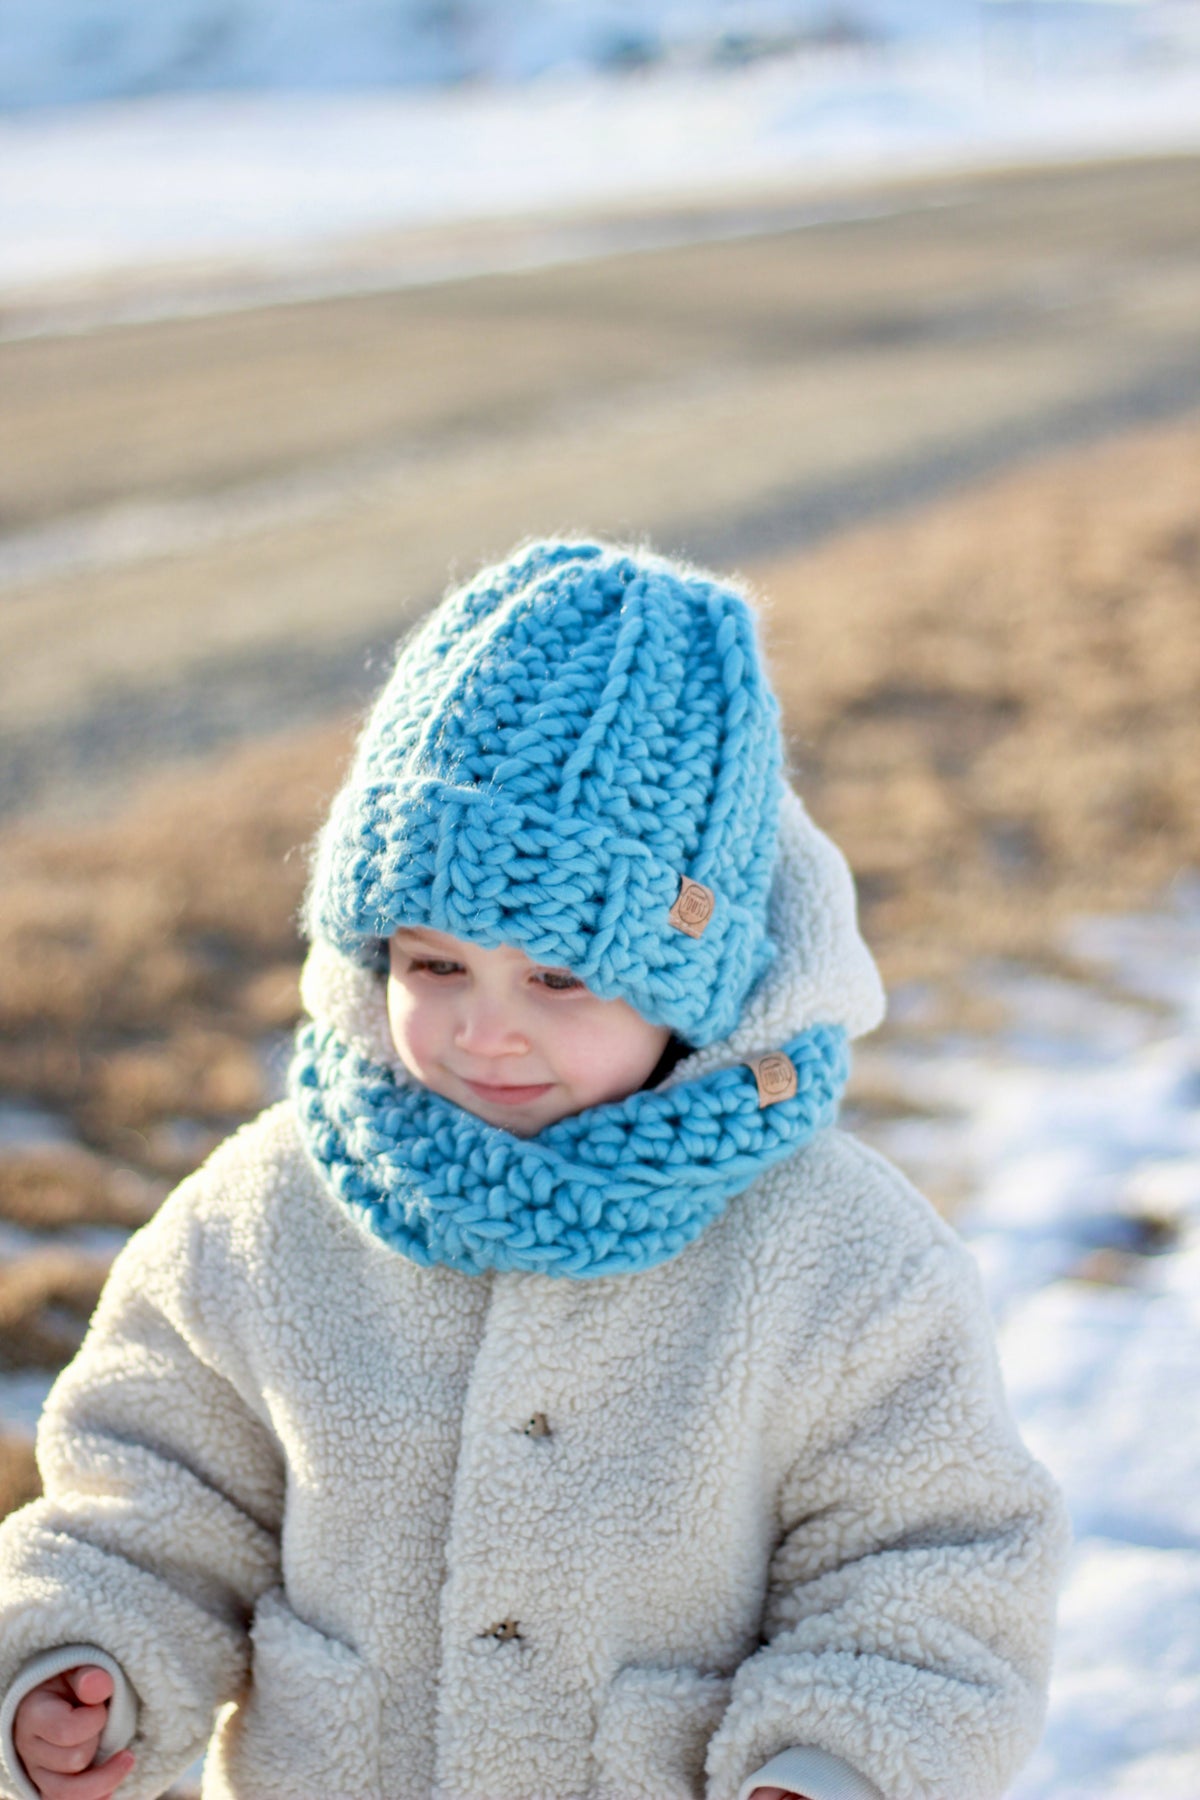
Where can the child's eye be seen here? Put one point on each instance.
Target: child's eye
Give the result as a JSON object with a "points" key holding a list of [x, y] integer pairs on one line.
{"points": [[434, 966], [560, 981]]}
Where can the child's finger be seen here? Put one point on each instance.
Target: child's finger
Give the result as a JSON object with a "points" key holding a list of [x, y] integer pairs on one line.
{"points": [[94, 1784], [90, 1685], [62, 1759], [56, 1721]]}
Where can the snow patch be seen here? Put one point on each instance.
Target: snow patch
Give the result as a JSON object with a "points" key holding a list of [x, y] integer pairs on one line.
{"points": [[265, 164], [1076, 1129]]}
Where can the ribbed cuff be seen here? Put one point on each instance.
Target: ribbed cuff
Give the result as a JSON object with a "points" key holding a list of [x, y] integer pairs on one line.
{"points": [[119, 1728], [814, 1774]]}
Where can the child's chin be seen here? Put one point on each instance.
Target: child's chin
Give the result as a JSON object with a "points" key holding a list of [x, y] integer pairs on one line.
{"points": [[518, 1121], [522, 1124]]}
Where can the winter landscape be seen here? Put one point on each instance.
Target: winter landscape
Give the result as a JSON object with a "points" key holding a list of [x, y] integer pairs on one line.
{"points": [[893, 308]]}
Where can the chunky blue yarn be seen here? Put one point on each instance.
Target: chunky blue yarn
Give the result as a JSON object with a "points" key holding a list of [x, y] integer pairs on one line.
{"points": [[607, 1191], [564, 739]]}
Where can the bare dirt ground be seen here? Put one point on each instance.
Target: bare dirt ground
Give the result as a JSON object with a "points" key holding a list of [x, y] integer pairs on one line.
{"points": [[992, 699], [210, 520]]}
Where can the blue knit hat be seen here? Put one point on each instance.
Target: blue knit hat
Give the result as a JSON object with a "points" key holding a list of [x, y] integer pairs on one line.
{"points": [[577, 754]]}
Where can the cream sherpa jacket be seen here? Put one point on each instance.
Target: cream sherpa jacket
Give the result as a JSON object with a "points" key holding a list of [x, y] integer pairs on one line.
{"points": [[757, 1514]]}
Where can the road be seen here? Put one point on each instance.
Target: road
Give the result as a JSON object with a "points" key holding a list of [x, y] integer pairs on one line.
{"points": [[212, 524]]}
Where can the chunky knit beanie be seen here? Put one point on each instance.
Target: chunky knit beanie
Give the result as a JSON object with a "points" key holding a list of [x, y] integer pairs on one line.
{"points": [[577, 754]]}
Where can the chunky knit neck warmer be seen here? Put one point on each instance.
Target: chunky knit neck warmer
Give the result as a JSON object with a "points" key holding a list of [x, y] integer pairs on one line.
{"points": [[607, 1191]]}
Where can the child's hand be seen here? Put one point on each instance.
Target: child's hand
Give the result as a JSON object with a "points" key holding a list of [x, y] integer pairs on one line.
{"points": [[57, 1733]]}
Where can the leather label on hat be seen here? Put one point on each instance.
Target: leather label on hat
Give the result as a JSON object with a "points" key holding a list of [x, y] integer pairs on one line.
{"points": [[775, 1077], [693, 908]]}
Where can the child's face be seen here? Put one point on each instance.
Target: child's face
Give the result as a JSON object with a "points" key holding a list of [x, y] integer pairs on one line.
{"points": [[517, 1043]]}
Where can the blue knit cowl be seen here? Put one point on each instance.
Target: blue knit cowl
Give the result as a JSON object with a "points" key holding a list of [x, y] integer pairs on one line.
{"points": [[607, 1191]]}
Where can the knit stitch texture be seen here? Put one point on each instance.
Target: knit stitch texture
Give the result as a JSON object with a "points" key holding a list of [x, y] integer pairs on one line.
{"points": [[563, 741], [616, 1188]]}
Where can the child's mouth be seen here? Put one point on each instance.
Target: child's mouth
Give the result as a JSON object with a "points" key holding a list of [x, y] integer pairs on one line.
{"points": [[510, 1096]]}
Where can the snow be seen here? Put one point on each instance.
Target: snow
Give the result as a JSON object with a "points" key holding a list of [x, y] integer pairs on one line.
{"points": [[1123, 1722], [269, 169], [1076, 1130], [70, 51], [22, 1397]]}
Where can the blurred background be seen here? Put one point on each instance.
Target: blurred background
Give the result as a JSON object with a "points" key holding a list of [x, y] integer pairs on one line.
{"points": [[307, 308]]}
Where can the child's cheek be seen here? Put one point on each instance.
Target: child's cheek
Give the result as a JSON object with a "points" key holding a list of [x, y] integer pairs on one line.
{"points": [[568, 1037], [412, 1025], [607, 1056]]}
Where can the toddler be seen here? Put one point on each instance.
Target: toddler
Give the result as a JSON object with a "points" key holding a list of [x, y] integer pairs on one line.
{"points": [[546, 1401]]}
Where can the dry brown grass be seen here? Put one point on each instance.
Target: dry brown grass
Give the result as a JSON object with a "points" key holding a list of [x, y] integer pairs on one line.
{"points": [[18, 1474], [994, 705], [142, 960], [46, 1300], [54, 1186]]}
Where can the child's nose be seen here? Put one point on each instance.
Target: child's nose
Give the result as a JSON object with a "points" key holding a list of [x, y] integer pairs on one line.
{"points": [[486, 1028]]}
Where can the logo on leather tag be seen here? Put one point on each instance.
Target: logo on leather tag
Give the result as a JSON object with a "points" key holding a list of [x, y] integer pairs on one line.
{"points": [[693, 908], [775, 1078]]}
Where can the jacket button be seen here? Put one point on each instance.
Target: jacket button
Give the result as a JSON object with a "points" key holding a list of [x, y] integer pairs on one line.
{"points": [[505, 1630], [538, 1426]]}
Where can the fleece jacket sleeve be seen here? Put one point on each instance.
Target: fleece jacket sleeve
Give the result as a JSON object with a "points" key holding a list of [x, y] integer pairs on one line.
{"points": [[159, 1524], [909, 1615], [809, 1775]]}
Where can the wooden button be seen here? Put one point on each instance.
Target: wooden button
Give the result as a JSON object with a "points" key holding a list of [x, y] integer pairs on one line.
{"points": [[505, 1630], [538, 1426], [775, 1078], [693, 907]]}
